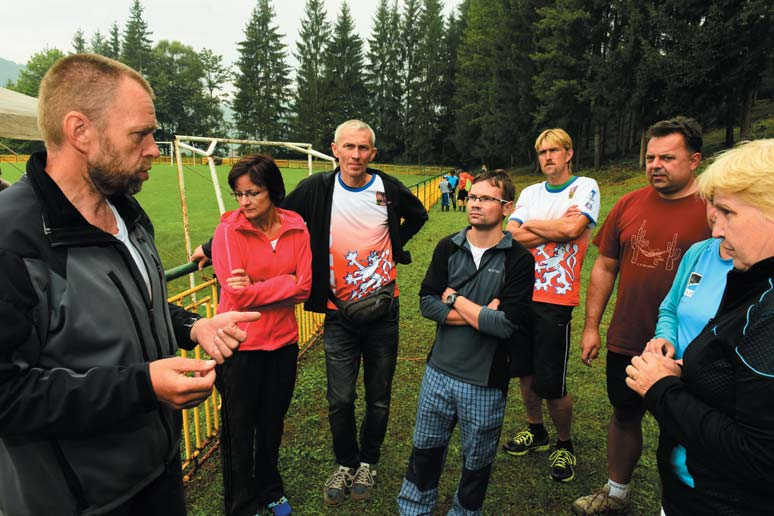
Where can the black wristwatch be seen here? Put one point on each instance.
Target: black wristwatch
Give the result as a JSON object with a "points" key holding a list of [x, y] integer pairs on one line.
{"points": [[451, 299], [189, 322]]}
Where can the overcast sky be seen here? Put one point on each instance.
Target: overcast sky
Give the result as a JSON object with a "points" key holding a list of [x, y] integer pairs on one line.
{"points": [[29, 26]]}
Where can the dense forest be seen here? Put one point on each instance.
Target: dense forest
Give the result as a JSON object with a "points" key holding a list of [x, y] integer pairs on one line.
{"points": [[469, 88]]}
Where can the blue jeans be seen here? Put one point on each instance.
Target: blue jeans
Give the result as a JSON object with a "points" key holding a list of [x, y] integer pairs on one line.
{"points": [[345, 344]]}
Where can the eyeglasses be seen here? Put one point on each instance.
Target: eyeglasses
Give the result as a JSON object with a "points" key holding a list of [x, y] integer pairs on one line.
{"points": [[485, 199], [249, 195]]}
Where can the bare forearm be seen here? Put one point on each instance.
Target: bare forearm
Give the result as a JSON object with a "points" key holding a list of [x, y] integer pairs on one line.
{"points": [[455, 319], [468, 311], [599, 291]]}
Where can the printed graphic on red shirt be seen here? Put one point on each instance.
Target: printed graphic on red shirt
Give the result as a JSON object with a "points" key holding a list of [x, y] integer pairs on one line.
{"points": [[644, 256]]}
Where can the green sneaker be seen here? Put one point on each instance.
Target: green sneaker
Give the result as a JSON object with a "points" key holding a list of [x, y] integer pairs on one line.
{"points": [[562, 465], [363, 482], [601, 503], [338, 485], [524, 442]]}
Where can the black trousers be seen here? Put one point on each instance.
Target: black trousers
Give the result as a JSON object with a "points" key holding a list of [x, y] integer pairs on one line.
{"points": [[162, 497], [257, 387]]}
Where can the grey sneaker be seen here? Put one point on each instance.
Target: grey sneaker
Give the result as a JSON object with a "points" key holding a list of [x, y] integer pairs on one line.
{"points": [[364, 481], [601, 503], [338, 485]]}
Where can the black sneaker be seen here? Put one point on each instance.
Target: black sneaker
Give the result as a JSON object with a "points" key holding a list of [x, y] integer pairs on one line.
{"points": [[524, 442], [562, 465]]}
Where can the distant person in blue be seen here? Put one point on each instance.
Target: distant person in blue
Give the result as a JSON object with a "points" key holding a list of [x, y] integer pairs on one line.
{"points": [[453, 181], [718, 404]]}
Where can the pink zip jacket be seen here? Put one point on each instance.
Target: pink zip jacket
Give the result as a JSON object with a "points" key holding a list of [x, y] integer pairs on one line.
{"points": [[273, 291]]}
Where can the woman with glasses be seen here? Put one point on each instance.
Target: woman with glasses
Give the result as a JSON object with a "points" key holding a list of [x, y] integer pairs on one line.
{"points": [[264, 253], [718, 404]]}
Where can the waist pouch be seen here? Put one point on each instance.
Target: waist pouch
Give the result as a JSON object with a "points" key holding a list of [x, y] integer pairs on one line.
{"points": [[367, 309]]}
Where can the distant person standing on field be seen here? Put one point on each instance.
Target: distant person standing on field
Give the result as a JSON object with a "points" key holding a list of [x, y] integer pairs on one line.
{"points": [[453, 181], [445, 191], [465, 181]]}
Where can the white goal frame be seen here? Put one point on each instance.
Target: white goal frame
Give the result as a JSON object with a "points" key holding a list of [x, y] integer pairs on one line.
{"points": [[185, 142], [171, 147]]}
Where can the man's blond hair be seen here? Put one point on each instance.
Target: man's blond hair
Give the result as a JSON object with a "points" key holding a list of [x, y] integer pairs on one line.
{"points": [[554, 136], [85, 83], [746, 171]]}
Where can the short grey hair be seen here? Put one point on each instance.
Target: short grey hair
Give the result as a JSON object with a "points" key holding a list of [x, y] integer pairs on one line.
{"points": [[356, 125]]}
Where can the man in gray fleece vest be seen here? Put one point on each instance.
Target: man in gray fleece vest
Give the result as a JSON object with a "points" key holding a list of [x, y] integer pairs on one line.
{"points": [[478, 289]]}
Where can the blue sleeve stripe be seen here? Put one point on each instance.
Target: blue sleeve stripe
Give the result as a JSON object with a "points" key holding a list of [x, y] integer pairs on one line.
{"points": [[751, 367]]}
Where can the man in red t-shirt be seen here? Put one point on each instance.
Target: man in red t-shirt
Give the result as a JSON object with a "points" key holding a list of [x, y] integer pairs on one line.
{"points": [[641, 241]]}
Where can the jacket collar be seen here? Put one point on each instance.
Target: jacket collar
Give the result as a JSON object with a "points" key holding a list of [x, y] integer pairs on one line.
{"points": [[461, 240], [63, 224], [236, 220]]}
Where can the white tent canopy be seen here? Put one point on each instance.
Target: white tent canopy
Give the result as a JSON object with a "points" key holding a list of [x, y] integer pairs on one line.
{"points": [[18, 116]]}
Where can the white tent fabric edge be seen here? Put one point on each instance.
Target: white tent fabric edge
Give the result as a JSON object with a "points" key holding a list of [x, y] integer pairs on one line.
{"points": [[18, 116]]}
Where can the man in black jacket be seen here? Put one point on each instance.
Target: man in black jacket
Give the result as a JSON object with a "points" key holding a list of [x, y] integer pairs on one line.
{"points": [[89, 383], [359, 219]]}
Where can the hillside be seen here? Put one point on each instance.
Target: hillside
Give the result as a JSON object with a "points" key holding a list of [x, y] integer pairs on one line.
{"points": [[9, 71]]}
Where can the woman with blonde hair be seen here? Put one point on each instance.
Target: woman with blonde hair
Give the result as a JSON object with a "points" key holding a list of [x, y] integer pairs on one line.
{"points": [[719, 402]]}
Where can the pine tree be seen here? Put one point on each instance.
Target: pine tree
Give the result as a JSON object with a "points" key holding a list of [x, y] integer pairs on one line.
{"points": [[383, 79], [98, 44], [484, 117], [79, 42], [344, 73], [136, 44], [215, 75], [261, 98], [409, 38], [309, 103], [455, 27], [114, 43], [425, 132]]}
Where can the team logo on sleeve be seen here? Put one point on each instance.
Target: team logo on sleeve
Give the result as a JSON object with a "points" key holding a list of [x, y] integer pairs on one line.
{"points": [[590, 202]]}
